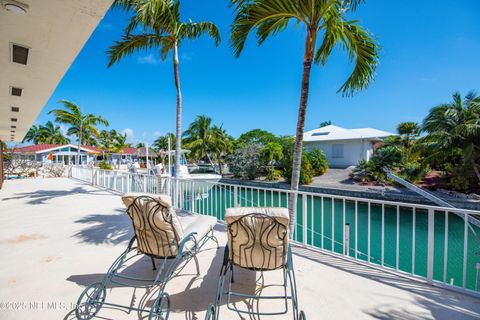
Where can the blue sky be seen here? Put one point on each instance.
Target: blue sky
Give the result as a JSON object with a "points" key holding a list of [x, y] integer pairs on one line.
{"points": [[430, 49]]}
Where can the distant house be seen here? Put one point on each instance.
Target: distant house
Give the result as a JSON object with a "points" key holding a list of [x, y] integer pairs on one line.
{"points": [[67, 154], [57, 153], [344, 147]]}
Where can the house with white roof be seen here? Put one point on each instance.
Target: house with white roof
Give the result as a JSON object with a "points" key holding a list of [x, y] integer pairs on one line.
{"points": [[344, 147]]}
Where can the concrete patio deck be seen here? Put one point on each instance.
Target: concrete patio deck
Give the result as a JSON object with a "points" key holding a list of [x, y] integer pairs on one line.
{"points": [[59, 235]]}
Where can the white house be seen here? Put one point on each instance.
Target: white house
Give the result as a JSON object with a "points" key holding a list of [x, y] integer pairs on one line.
{"points": [[344, 147], [57, 153]]}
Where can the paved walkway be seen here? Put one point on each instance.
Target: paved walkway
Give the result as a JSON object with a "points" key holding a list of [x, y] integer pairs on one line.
{"points": [[59, 236]]}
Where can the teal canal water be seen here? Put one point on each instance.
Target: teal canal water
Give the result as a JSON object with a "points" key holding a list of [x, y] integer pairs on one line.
{"points": [[323, 225]]}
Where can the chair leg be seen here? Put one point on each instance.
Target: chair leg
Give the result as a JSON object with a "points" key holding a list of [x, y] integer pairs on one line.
{"points": [[153, 263], [231, 270], [196, 264]]}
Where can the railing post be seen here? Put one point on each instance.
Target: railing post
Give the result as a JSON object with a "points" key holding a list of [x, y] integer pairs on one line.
{"points": [[430, 252], [128, 182], [346, 239], [304, 219], [192, 195], [144, 183], [235, 194]]}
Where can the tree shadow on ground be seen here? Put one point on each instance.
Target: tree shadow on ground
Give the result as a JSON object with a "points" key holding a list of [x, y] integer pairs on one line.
{"points": [[42, 196], [441, 303], [113, 228]]}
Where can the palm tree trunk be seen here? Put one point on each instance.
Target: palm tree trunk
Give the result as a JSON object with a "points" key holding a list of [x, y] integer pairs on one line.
{"points": [[178, 132], [80, 137], [298, 148]]}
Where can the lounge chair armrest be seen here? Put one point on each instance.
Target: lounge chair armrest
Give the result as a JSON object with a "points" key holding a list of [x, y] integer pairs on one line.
{"points": [[188, 237]]}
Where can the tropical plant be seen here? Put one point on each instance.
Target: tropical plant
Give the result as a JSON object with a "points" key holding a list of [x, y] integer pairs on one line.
{"points": [[256, 136], [140, 145], [162, 29], [32, 135], [455, 127], [221, 146], [245, 162], [161, 143], [387, 157], [325, 123], [318, 160], [321, 18], [407, 140], [51, 134], [198, 138], [273, 175], [207, 141], [272, 152], [79, 123]]}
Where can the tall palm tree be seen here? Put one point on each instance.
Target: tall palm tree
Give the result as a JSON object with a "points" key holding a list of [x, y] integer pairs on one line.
{"points": [[32, 135], [51, 134], [456, 126], [320, 18], [162, 29], [79, 122]]}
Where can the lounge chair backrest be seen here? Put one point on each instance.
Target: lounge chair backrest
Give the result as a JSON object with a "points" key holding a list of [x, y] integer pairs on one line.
{"points": [[257, 237], [155, 223]]}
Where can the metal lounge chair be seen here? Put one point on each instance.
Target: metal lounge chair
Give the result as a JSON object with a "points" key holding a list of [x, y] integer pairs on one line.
{"points": [[257, 240], [159, 234]]}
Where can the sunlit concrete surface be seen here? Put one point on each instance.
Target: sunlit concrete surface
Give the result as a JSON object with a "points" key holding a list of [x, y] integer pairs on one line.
{"points": [[59, 235]]}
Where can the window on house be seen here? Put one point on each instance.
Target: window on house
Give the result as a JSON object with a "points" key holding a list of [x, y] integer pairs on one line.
{"points": [[337, 151]]}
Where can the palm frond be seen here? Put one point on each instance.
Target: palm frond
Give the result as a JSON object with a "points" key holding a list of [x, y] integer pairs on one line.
{"points": [[193, 30], [267, 16], [363, 48], [133, 43]]}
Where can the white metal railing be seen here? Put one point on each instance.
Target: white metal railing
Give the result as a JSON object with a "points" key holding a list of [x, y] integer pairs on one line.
{"points": [[429, 243]]}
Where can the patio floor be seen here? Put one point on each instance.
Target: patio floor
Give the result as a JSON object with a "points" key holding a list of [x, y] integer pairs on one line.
{"points": [[59, 235]]}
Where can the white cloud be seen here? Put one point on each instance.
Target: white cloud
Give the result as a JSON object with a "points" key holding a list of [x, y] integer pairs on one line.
{"points": [[129, 132], [157, 134], [148, 59]]}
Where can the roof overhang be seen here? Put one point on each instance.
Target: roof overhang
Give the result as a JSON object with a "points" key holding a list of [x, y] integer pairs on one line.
{"points": [[54, 31]]}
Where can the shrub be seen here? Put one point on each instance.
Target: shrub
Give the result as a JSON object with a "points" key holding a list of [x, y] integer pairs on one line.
{"points": [[367, 171], [273, 175], [413, 172], [318, 161], [245, 162], [387, 157], [105, 165], [306, 171]]}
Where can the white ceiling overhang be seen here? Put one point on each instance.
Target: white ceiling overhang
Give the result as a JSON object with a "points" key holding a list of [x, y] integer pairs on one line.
{"points": [[54, 31]]}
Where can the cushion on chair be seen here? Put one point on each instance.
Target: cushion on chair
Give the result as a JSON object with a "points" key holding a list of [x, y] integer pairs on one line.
{"points": [[257, 237], [197, 223], [155, 223]]}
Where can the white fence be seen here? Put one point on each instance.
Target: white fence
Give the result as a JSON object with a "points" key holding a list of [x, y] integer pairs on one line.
{"points": [[434, 244]]}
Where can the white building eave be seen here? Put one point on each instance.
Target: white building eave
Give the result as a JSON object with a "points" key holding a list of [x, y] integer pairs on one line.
{"points": [[54, 31]]}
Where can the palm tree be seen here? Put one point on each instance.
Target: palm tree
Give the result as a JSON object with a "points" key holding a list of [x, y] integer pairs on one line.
{"points": [[455, 126], [51, 134], [161, 143], [321, 18], [32, 135], [199, 137], [407, 140], [162, 29], [221, 145], [79, 122]]}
